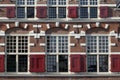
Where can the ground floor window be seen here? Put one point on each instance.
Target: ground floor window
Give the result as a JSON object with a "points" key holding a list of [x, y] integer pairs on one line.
{"points": [[57, 63], [17, 63], [97, 63]]}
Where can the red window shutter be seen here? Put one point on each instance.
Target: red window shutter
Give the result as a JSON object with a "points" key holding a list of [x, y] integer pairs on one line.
{"points": [[103, 12], [37, 63], [2, 69], [42, 12], [78, 63], [72, 12], [10, 12], [115, 63]]}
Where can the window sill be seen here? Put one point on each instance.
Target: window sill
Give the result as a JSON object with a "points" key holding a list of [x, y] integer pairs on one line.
{"points": [[59, 75]]}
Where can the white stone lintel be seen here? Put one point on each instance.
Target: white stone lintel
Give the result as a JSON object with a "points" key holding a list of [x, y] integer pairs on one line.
{"points": [[77, 36], [8, 26], [88, 26], [25, 26], [48, 26], [72, 32], [72, 44], [42, 44], [57, 24], [16, 24], [36, 26], [113, 44], [106, 26], [31, 44], [83, 44], [66, 26], [97, 24], [2, 44]]}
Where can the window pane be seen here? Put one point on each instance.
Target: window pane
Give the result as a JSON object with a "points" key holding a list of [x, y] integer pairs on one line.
{"points": [[83, 12], [103, 44], [30, 2], [11, 44], [52, 2], [93, 2], [92, 63], [30, 12], [22, 63], [22, 44], [52, 12], [11, 63], [63, 63], [62, 12], [51, 44], [51, 63], [20, 2], [62, 2], [93, 12], [83, 2], [63, 44], [103, 63], [91, 44], [20, 12]]}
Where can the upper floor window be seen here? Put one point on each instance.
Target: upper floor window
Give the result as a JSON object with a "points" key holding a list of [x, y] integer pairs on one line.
{"points": [[58, 8], [25, 2], [24, 11], [88, 2]]}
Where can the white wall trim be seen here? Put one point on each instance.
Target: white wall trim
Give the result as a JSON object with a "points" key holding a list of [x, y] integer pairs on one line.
{"points": [[42, 44], [97, 24], [2, 44], [72, 44], [82, 44], [25, 26], [48, 26], [66, 26], [2, 33], [8, 26], [88, 26], [31, 44], [113, 44], [16, 24], [106, 26]]}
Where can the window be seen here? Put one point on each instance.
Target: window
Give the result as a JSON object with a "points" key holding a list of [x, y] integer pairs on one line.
{"points": [[88, 8], [97, 61], [53, 66], [57, 8], [23, 11], [16, 52], [57, 57], [97, 44]]}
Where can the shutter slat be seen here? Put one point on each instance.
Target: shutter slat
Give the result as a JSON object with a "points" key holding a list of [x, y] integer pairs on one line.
{"points": [[2, 69], [42, 12], [10, 12], [72, 12], [104, 12], [115, 63]]}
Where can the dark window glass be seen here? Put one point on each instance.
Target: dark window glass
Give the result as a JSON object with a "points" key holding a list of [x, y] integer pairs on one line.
{"points": [[22, 63], [52, 12], [11, 63], [30, 12], [62, 12], [92, 63], [93, 12], [20, 12], [83, 12], [63, 63]]}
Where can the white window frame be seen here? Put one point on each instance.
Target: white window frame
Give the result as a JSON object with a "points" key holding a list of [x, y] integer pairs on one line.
{"points": [[25, 5], [17, 53], [98, 53], [89, 6], [57, 5], [57, 53]]}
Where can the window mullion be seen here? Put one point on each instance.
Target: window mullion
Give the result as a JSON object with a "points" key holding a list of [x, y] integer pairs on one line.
{"points": [[17, 53]]}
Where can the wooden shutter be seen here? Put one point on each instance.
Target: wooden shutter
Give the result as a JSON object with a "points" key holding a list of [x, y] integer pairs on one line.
{"points": [[37, 63], [104, 12], [42, 12], [77, 63], [2, 67], [72, 12], [10, 12], [115, 63]]}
